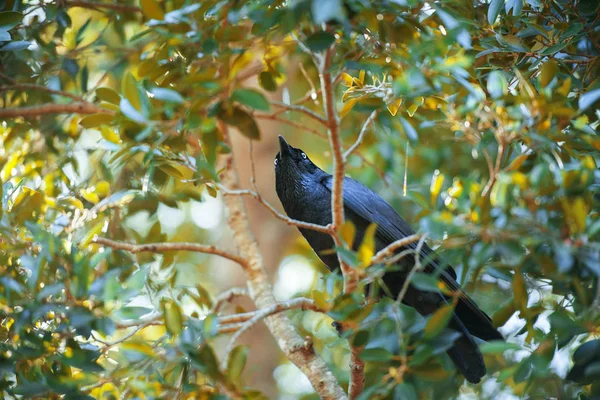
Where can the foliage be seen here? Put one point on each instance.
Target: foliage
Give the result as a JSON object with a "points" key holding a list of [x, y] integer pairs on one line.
{"points": [[486, 137]]}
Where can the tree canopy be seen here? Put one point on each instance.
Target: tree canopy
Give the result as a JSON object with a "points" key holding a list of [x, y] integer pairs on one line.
{"points": [[125, 127]]}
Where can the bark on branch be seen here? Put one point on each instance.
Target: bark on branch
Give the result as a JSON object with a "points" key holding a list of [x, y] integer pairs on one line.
{"points": [[165, 247], [43, 109]]}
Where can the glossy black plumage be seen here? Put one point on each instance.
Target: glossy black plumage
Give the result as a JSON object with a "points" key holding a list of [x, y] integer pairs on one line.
{"points": [[305, 193]]}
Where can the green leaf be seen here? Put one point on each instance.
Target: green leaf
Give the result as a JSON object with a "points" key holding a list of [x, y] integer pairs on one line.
{"points": [[327, 11], [92, 121], [588, 99], [320, 41], [15, 46], [236, 364], [377, 354], [425, 282], [130, 112], [409, 130], [63, 18], [84, 78], [172, 316], [167, 95], [9, 19], [497, 85], [515, 5], [251, 98], [267, 81], [405, 391], [494, 10], [498, 346], [109, 95], [243, 121], [438, 321], [4, 36]]}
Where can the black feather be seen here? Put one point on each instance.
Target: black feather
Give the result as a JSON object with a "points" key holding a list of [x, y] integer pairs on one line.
{"points": [[305, 193]]}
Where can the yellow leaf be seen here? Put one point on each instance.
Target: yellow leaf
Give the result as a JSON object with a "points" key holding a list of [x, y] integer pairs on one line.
{"points": [[456, 189], [412, 109], [394, 106], [241, 62], [547, 72], [366, 251], [130, 90], [348, 231], [102, 188], [140, 347], [437, 180], [320, 299], [96, 230], [517, 162], [520, 179], [110, 134], [565, 88], [361, 77], [109, 95], [357, 82], [346, 79], [92, 121], [348, 106], [151, 9]]}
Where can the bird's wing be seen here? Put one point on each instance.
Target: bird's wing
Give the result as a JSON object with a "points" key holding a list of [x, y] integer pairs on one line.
{"points": [[391, 227]]}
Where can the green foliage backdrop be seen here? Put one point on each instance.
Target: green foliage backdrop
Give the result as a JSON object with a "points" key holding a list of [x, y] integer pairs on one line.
{"points": [[484, 136]]}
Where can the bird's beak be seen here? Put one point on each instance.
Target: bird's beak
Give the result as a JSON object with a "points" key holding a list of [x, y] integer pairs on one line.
{"points": [[284, 147]]}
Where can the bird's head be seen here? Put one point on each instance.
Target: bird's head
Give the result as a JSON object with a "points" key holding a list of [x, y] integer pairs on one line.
{"points": [[294, 171]]}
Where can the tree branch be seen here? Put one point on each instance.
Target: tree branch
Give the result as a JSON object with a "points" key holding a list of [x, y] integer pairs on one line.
{"points": [[293, 346], [361, 135], [357, 373], [98, 5], [389, 250], [301, 109], [43, 109], [337, 200], [302, 303], [296, 125], [278, 215], [226, 297], [14, 85], [165, 247]]}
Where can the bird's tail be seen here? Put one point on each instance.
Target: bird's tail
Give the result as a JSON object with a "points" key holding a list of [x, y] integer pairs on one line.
{"points": [[465, 354]]}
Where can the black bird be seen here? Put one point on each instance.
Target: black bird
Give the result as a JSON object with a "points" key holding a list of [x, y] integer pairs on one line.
{"points": [[305, 193]]}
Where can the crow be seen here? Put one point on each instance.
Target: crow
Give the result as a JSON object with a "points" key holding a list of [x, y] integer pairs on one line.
{"points": [[305, 193]]}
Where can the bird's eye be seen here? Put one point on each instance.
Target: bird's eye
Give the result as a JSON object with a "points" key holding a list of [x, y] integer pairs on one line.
{"points": [[275, 162], [303, 155]]}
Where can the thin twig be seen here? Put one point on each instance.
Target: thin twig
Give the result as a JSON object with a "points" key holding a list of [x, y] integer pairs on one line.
{"points": [[43, 109], [302, 303], [296, 125], [41, 88], [175, 246], [301, 109], [361, 135], [390, 249], [278, 215], [108, 345], [226, 297], [416, 268]]}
